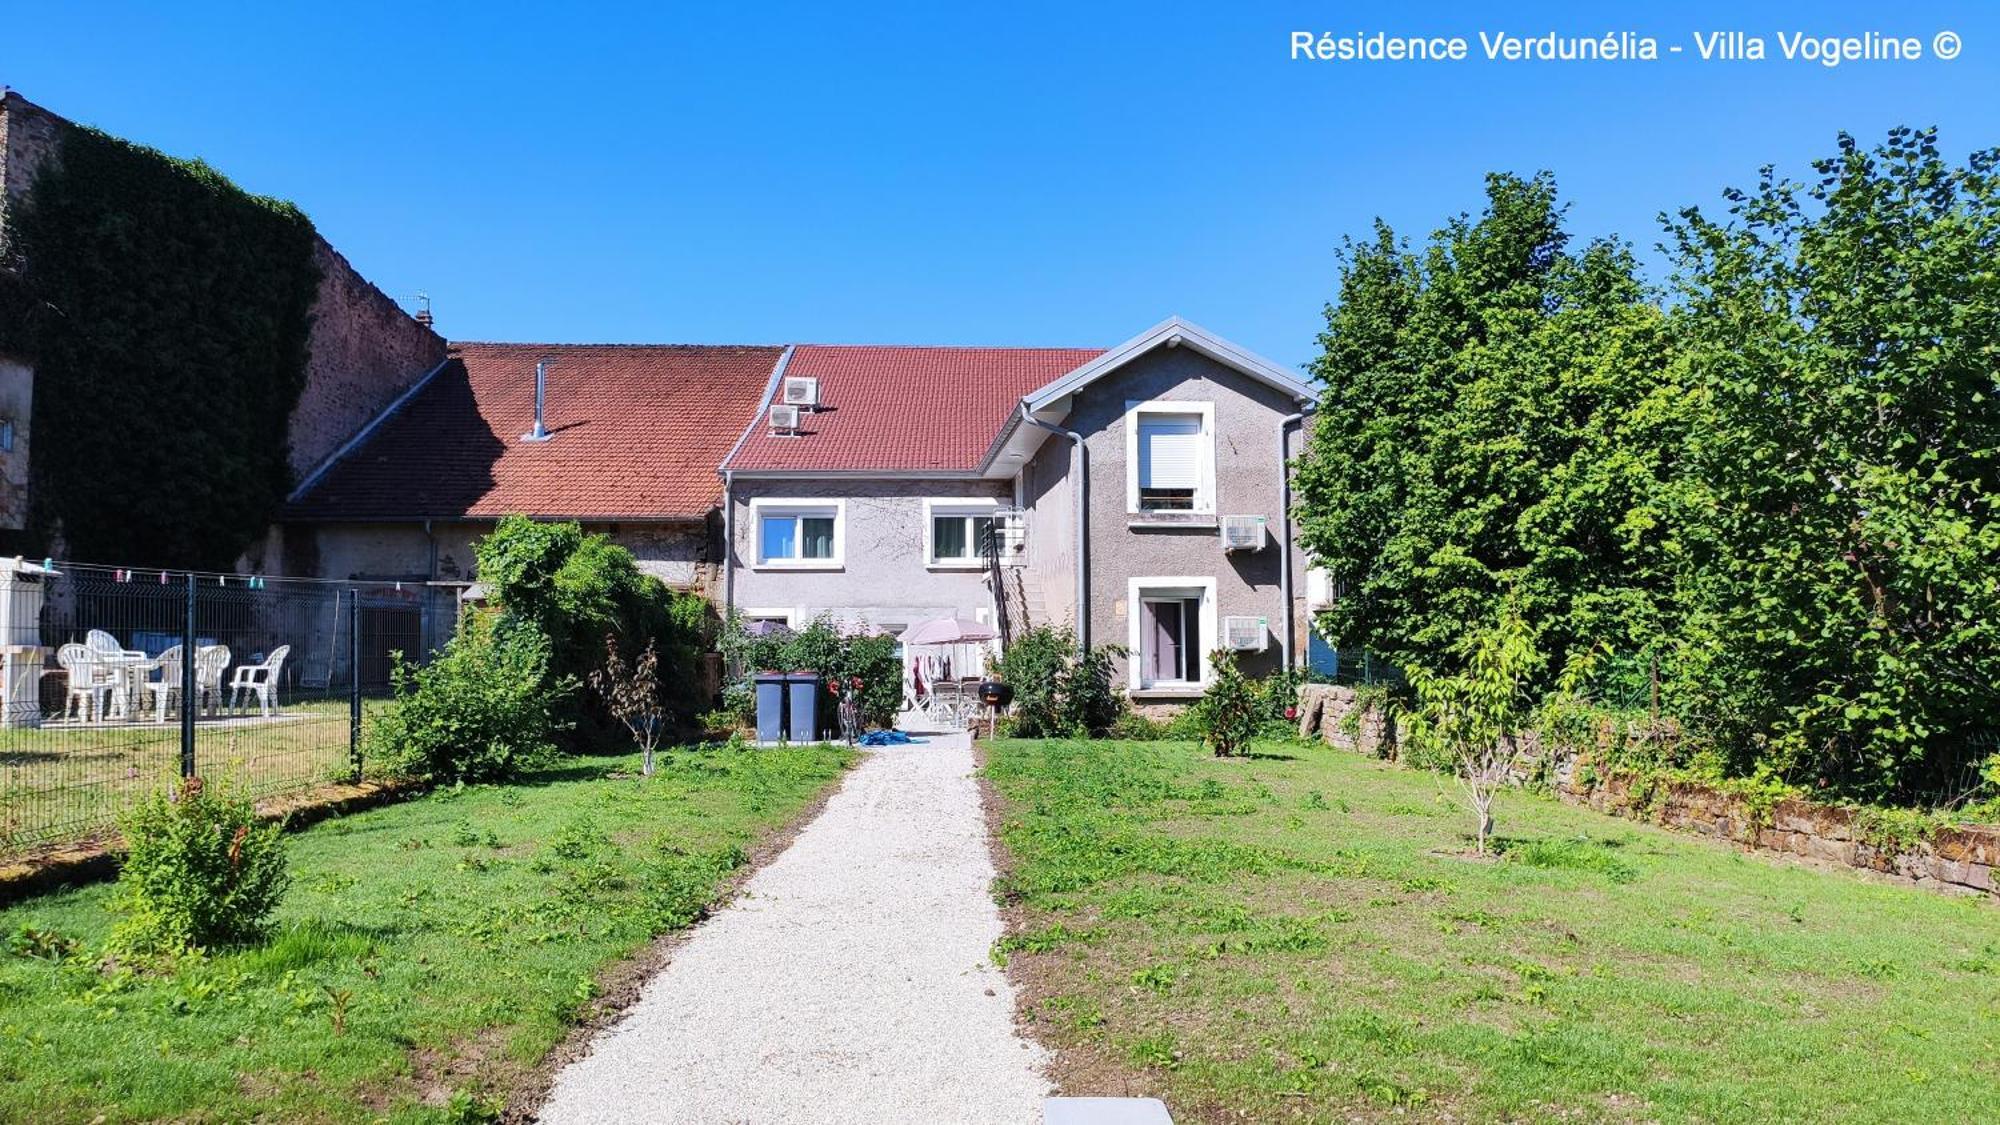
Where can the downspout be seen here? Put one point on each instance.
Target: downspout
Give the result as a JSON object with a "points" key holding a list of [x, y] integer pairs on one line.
{"points": [[1082, 494], [1285, 520], [728, 543]]}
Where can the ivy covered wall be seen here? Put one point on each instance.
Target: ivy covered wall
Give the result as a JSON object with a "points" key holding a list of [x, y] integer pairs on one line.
{"points": [[167, 315]]}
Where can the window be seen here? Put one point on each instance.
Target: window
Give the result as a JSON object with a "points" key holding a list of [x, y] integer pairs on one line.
{"points": [[1170, 456], [957, 538], [958, 530], [801, 535], [1172, 626]]}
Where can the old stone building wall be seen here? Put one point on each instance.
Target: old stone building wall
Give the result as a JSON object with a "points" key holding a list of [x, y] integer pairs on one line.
{"points": [[364, 351]]}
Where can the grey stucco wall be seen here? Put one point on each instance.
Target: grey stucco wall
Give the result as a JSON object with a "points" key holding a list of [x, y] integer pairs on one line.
{"points": [[884, 577], [1247, 480]]}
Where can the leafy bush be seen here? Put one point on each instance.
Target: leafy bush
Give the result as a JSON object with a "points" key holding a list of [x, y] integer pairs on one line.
{"points": [[574, 588], [873, 660], [1057, 691], [199, 871], [819, 647], [482, 711], [1231, 710]]}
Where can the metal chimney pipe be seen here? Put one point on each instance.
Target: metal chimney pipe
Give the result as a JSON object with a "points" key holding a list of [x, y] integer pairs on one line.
{"points": [[540, 432]]}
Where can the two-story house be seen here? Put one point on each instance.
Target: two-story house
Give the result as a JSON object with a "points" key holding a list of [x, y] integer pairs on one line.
{"points": [[1138, 494]]}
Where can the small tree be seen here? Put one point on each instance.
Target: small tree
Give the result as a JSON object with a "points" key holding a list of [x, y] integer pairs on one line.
{"points": [[1470, 721], [631, 692], [1229, 713], [199, 870]]}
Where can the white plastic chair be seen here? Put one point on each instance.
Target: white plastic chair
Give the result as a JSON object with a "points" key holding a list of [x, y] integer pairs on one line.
{"points": [[259, 679], [168, 687], [90, 682], [210, 661]]}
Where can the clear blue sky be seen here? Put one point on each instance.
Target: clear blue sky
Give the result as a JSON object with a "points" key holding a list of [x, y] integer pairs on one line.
{"points": [[943, 173]]}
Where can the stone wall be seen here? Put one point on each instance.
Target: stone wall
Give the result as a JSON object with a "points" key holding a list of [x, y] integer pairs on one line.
{"points": [[364, 351], [1962, 860], [27, 140]]}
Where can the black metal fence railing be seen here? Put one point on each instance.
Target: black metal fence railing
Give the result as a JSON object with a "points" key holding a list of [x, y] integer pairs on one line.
{"points": [[115, 681]]}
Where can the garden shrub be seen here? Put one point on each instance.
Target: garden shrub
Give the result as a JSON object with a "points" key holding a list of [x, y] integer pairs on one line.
{"points": [[482, 711], [575, 588], [1231, 710], [199, 871], [1057, 691], [823, 647]]}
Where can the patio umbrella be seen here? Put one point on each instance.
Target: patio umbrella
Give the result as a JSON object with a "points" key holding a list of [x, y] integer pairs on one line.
{"points": [[946, 631]]}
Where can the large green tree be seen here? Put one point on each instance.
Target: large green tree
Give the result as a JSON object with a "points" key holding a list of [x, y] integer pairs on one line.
{"points": [[1497, 421], [1842, 338]]}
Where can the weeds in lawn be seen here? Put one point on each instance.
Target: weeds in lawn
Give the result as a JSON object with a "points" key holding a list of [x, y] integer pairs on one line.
{"points": [[1579, 853], [1596, 970], [386, 945]]}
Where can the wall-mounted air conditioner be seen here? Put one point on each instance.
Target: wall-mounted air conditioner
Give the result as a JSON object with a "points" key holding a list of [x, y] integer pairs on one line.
{"points": [[801, 390], [784, 419], [1246, 634], [1243, 533]]}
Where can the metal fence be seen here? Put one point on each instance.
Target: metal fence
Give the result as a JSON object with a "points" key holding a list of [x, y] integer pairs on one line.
{"points": [[116, 681]]}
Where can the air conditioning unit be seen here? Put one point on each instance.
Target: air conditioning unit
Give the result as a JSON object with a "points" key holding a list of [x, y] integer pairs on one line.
{"points": [[1246, 634], [784, 419], [801, 390], [1243, 533]]}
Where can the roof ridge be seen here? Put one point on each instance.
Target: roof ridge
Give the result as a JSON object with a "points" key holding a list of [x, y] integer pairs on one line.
{"points": [[959, 347], [533, 344]]}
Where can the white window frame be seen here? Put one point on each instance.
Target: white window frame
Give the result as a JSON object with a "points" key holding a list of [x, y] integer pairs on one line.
{"points": [[954, 506], [763, 506], [1137, 590], [1204, 493]]}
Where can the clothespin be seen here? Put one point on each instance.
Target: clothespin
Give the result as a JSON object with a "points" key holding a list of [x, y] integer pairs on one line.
{"points": [[399, 587], [163, 578]]}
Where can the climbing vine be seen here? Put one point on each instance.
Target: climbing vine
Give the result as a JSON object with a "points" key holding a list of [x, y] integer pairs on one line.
{"points": [[166, 313]]}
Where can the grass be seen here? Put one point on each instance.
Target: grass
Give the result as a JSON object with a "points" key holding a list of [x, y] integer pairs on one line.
{"points": [[1300, 936], [62, 781], [428, 955]]}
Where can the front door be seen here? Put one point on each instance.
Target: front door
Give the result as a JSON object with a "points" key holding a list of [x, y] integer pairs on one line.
{"points": [[1171, 649]]}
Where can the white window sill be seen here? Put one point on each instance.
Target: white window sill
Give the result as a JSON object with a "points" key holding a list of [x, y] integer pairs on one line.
{"points": [[954, 566], [1171, 519], [811, 564], [1167, 693]]}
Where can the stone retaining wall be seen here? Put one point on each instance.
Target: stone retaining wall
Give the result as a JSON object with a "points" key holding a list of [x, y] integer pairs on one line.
{"points": [[1962, 860]]}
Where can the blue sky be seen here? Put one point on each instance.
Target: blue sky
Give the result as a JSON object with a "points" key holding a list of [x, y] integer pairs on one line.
{"points": [[943, 173]]}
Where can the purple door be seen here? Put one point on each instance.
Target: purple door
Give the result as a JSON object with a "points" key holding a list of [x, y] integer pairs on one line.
{"points": [[1164, 635]]}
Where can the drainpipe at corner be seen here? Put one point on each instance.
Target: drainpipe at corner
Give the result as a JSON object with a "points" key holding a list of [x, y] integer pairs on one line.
{"points": [[728, 543], [1082, 491], [1285, 521]]}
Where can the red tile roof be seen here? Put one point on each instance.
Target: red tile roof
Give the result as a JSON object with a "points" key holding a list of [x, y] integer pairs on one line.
{"points": [[903, 409], [637, 431]]}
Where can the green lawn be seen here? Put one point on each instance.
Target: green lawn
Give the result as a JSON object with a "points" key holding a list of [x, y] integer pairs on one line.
{"points": [[1297, 936], [65, 781], [435, 947]]}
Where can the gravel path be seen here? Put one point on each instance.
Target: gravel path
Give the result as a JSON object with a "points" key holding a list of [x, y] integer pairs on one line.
{"points": [[851, 982]]}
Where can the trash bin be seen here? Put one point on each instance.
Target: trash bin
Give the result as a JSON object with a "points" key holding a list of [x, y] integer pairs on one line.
{"points": [[805, 706], [770, 707]]}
